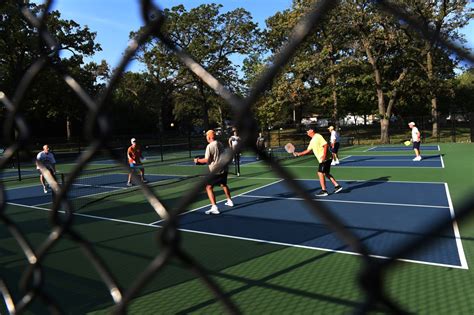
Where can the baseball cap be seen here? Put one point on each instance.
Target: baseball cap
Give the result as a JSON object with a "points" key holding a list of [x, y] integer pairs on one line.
{"points": [[133, 140], [411, 123]]}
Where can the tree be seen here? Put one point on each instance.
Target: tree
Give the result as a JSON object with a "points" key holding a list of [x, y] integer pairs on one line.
{"points": [[313, 77], [212, 38], [21, 46], [444, 18], [380, 42]]}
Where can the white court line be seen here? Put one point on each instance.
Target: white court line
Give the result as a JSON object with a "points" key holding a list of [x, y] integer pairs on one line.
{"points": [[348, 201], [442, 161], [343, 180], [461, 252], [319, 248], [275, 182], [242, 238], [457, 234], [409, 159], [112, 189], [358, 166], [369, 149], [346, 157], [86, 215]]}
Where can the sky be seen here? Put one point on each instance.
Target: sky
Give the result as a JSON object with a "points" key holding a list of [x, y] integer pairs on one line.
{"points": [[113, 20]]}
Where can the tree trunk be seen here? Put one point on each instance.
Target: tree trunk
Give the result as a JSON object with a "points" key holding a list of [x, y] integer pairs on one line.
{"points": [[434, 100], [334, 85], [384, 124], [334, 100], [205, 108]]}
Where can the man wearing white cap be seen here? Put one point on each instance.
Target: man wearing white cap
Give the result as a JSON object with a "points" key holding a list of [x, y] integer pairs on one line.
{"points": [[416, 139], [134, 156], [334, 143]]}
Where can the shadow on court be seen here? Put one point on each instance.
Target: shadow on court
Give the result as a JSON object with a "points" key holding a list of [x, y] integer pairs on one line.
{"points": [[364, 184], [428, 157]]}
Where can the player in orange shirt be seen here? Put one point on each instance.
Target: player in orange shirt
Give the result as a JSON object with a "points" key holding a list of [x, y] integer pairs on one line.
{"points": [[134, 155]]}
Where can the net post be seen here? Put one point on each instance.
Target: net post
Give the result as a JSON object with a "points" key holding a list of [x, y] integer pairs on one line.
{"points": [[18, 166], [161, 147]]}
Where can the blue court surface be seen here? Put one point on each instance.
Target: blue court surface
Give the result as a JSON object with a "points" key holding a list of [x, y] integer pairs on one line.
{"points": [[382, 214], [90, 186], [435, 161], [243, 160], [404, 148]]}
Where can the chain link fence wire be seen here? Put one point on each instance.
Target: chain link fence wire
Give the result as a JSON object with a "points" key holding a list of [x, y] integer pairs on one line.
{"points": [[98, 131]]}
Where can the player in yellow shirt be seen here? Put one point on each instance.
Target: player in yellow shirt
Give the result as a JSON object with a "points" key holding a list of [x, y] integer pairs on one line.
{"points": [[319, 147]]}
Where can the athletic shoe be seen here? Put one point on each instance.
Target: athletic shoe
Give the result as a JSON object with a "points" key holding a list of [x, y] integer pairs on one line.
{"points": [[144, 180], [337, 189], [238, 174], [229, 203], [129, 184], [333, 162], [45, 190], [213, 210], [418, 158], [322, 193], [337, 162]]}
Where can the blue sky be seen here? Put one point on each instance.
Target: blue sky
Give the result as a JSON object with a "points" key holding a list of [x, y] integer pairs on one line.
{"points": [[114, 19]]}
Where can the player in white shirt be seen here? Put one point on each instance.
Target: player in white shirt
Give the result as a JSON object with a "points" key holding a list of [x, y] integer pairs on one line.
{"points": [[334, 143], [234, 141], [416, 139], [48, 161]]}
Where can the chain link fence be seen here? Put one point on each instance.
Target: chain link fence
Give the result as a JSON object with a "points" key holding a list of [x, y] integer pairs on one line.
{"points": [[98, 132]]}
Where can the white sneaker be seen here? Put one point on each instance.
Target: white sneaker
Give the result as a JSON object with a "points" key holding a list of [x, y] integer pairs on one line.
{"points": [[45, 190], [337, 162], [333, 163], [229, 203], [213, 210], [418, 158]]}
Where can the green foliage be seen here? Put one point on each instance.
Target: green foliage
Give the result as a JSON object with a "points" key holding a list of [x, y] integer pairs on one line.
{"points": [[21, 46], [212, 38]]}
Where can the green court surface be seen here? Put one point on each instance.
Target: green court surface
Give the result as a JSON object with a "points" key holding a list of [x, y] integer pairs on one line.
{"points": [[259, 277]]}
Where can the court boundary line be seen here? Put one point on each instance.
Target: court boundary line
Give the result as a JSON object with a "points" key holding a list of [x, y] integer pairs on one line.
{"points": [[239, 195], [344, 166], [237, 237], [398, 146], [349, 201], [457, 233], [442, 161], [153, 225], [320, 248], [457, 237], [112, 189]]}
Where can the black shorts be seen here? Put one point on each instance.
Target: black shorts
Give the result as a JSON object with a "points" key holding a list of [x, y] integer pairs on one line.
{"points": [[416, 145], [325, 167], [335, 148], [217, 179]]}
